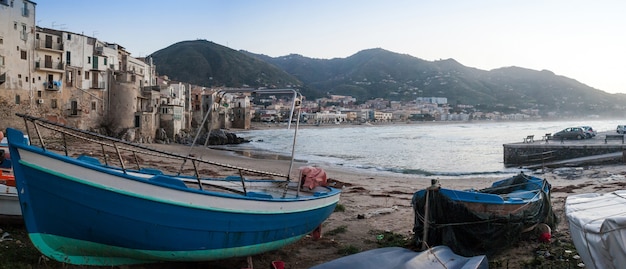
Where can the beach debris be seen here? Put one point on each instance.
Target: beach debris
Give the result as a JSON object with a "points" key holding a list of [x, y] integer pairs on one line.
{"points": [[569, 172], [5, 237], [278, 265], [381, 211], [545, 233]]}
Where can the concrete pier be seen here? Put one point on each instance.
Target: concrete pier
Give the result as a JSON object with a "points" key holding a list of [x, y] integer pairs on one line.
{"points": [[541, 152]]}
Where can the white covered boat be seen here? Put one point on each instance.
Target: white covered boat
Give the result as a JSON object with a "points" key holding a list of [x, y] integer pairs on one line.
{"points": [[597, 224]]}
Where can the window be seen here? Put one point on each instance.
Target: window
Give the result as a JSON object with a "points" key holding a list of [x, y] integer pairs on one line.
{"points": [[25, 11], [26, 79], [1, 40], [86, 75], [68, 57], [17, 99], [137, 121], [93, 105], [53, 103], [1, 60], [23, 34], [74, 108], [23, 54], [39, 94], [88, 60], [15, 25], [70, 77], [69, 36]]}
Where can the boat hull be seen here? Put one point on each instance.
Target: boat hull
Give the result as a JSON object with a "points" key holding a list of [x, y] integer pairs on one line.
{"points": [[80, 213], [481, 222], [10, 209], [401, 258]]}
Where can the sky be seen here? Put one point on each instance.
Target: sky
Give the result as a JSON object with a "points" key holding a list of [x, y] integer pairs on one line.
{"points": [[582, 40]]}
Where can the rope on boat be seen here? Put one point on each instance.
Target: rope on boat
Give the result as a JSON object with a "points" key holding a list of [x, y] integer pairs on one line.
{"points": [[133, 147], [427, 222]]}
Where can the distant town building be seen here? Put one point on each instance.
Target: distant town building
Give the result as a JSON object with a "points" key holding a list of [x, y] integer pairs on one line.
{"points": [[432, 100]]}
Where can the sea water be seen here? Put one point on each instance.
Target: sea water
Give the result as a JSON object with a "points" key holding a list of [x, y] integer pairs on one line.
{"points": [[464, 149]]}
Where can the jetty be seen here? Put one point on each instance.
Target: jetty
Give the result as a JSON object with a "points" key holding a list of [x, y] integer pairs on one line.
{"points": [[605, 148]]}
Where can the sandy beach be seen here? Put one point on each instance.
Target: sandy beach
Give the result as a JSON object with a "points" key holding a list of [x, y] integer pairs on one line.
{"points": [[377, 204]]}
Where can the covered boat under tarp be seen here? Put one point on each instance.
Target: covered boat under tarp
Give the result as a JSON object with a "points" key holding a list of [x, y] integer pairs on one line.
{"points": [[482, 222], [402, 258], [597, 224]]}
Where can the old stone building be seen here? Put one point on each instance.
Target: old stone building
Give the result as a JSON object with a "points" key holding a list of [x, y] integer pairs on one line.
{"points": [[17, 43], [86, 83]]}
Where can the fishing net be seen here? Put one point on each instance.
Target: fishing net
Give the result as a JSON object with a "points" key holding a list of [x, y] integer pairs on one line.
{"points": [[471, 229]]}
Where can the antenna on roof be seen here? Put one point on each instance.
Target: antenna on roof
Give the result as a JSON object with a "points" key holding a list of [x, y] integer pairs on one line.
{"points": [[54, 25]]}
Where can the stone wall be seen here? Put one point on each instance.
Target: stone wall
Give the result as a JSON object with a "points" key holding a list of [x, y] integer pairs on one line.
{"points": [[525, 154]]}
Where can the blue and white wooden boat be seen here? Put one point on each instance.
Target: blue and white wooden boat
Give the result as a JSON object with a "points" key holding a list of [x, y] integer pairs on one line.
{"points": [[482, 222], [81, 210]]}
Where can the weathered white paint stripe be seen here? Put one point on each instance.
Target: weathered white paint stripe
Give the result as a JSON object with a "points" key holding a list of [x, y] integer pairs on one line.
{"points": [[169, 195]]}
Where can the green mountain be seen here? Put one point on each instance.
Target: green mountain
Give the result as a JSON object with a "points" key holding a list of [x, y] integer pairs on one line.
{"points": [[205, 63], [378, 73]]}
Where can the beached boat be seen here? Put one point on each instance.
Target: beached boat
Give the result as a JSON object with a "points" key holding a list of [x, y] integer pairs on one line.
{"points": [[402, 258], [597, 225], [9, 203], [482, 222], [85, 210], [10, 210]]}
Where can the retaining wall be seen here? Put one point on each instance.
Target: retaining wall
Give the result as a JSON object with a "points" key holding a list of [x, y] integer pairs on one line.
{"points": [[535, 153]]}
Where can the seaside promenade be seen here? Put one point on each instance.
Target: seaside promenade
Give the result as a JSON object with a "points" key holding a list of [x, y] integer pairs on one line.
{"points": [[604, 148]]}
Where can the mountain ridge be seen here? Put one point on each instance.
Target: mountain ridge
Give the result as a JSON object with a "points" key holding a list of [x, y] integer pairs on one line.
{"points": [[379, 73]]}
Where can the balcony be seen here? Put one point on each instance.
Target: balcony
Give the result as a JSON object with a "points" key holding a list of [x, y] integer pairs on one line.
{"points": [[50, 66], [98, 50], [52, 85], [98, 85], [49, 46]]}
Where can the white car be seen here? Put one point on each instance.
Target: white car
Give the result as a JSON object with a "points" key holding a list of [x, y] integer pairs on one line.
{"points": [[589, 132]]}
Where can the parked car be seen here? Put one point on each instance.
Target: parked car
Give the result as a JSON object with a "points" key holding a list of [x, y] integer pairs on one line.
{"points": [[590, 132], [570, 133], [621, 129]]}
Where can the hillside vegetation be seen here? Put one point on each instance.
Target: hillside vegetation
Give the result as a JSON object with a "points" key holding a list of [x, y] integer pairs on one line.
{"points": [[378, 73]]}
